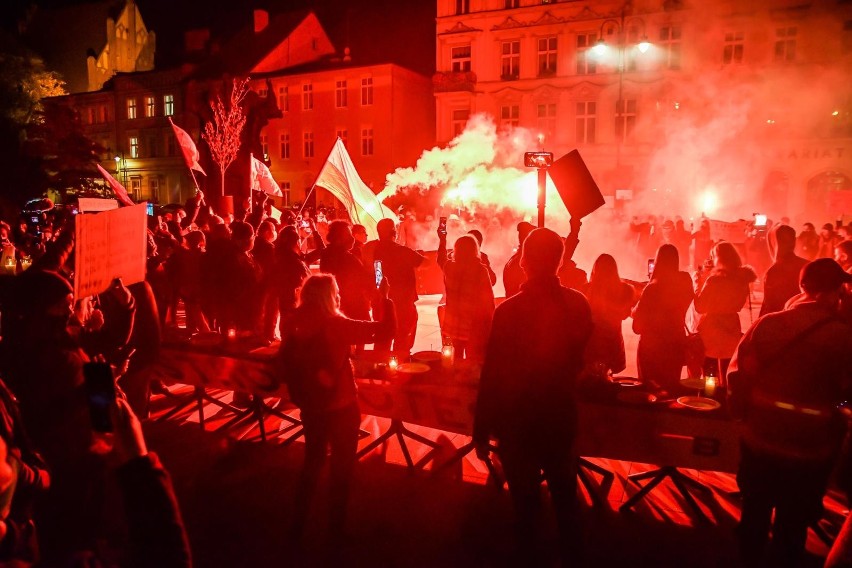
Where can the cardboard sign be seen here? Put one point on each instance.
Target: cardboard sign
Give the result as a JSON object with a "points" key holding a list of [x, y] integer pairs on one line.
{"points": [[94, 205], [111, 244], [575, 185]]}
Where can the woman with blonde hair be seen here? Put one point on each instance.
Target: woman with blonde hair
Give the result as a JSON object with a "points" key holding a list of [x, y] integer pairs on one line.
{"points": [[314, 358], [469, 300], [611, 300]]}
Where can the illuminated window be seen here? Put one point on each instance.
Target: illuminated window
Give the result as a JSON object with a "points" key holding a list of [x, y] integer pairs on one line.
{"points": [[133, 146], [366, 141], [510, 115], [264, 145], [343, 134], [625, 119], [460, 117], [131, 109], [546, 114], [135, 187], [92, 115], [340, 95], [102, 114], [462, 6], [285, 190], [785, 44], [168, 105], [460, 58], [307, 96], [510, 60], [283, 99], [733, 50], [150, 106], [585, 122], [154, 187], [585, 58], [546, 56], [670, 44], [366, 91], [285, 145], [308, 146]]}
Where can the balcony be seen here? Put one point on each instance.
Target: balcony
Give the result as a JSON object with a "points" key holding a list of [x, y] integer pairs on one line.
{"points": [[457, 81]]}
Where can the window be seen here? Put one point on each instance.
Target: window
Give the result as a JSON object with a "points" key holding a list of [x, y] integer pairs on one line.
{"points": [[285, 190], [625, 119], [151, 147], [670, 37], [366, 141], [131, 109], [308, 146], [585, 122], [546, 56], [340, 96], [546, 114], [509, 115], [285, 145], [343, 134], [150, 107], [136, 187], [585, 58], [733, 50], [509, 4], [366, 91], [102, 114], [154, 187], [92, 115], [264, 146], [307, 96], [133, 146], [460, 56], [460, 117], [168, 105], [510, 60], [785, 44], [462, 6], [283, 99]]}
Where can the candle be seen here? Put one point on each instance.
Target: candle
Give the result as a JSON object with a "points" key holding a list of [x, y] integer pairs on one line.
{"points": [[447, 355], [393, 363], [232, 333], [710, 386]]}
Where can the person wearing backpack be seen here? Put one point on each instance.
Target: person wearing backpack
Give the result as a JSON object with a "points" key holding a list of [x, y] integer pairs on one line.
{"points": [[314, 358]]}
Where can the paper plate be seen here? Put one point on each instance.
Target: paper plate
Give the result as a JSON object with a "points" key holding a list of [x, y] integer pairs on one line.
{"points": [[413, 368], [427, 357], [698, 403], [626, 381], [636, 397], [693, 383]]}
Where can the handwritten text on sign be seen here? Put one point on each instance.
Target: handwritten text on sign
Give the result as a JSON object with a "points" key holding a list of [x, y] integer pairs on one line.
{"points": [[109, 245]]}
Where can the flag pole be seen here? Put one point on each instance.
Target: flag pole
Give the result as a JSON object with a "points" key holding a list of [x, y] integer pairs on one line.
{"points": [[310, 191]]}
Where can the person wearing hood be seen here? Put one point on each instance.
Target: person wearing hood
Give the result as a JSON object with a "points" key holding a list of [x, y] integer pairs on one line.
{"points": [[718, 303], [781, 281]]}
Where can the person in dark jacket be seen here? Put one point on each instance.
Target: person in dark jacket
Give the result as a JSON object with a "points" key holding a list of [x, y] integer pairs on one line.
{"points": [[526, 397], [782, 279], [264, 254], [659, 318], [611, 300], [513, 274], [290, 272], [807, 243], [316, 345], [355, 283]]}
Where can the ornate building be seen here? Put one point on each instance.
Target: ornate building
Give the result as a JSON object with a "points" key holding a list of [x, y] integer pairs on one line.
{"points": [[719, 106], [129, 47]]}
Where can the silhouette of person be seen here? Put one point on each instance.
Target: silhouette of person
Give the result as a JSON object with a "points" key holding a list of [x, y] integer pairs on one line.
{"points": [[526, 396]]}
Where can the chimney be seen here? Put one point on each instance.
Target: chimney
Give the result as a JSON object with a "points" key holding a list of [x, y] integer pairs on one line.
{"points": [[261, 20]]}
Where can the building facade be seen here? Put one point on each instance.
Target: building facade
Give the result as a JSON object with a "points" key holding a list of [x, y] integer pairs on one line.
{"points": [[129, 47], [683, 107]]}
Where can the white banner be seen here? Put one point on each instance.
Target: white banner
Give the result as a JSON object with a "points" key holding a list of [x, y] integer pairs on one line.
{"points": [[111, 244]]}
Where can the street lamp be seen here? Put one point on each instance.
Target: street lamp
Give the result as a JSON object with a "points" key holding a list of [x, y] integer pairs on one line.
{"points": [[121, 167], [619, 27]]}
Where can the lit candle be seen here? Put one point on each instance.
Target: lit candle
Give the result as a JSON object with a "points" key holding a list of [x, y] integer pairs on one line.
{"points": [[710, 386], [232, 333], [393, 363], [447, 353]]}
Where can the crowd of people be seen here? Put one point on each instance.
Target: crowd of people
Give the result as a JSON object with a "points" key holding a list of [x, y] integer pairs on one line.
{"points": [[557, 327]]}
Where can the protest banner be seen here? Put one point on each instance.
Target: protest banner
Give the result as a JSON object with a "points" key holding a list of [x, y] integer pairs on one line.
{"points": [[95, 205], [109, 245], [734, 232]]}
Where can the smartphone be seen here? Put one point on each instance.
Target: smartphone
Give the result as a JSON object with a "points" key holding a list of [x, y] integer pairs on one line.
{"points": [[760, 220], [650, 268], [150, 209], [100, 392], [377, 268], [442, 225]]}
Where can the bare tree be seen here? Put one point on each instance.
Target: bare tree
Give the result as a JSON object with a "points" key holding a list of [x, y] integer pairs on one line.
{"points": [[223, 133]]}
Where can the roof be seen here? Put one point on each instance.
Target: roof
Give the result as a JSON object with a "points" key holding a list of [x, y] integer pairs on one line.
{"points": [[64, 36]]}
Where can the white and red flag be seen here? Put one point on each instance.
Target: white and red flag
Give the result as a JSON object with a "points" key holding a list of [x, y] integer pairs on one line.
{"points": [[262, 180], [187, 146], [117, 188], [340, 178]]}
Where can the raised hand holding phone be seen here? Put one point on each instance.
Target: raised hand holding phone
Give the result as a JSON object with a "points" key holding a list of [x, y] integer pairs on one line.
{"points": [[101, 394]]}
